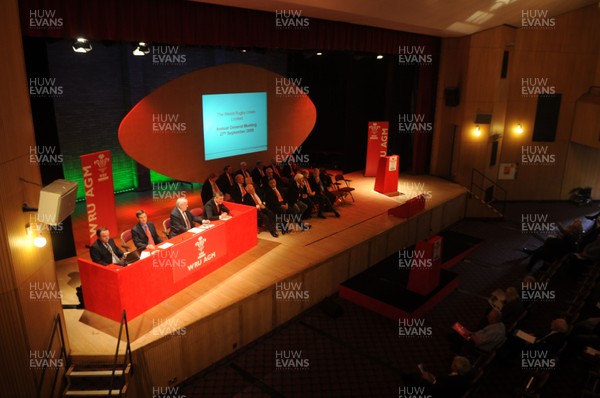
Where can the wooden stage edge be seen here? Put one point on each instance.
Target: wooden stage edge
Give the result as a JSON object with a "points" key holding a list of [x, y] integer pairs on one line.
{"points": [[265, 287]]}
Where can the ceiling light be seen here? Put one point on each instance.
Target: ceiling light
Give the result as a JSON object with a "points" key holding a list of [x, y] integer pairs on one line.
{"points": [[141, 49], [82, 45]]}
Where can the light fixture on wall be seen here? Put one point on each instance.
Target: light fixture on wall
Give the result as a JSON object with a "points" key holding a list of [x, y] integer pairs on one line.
{"points": [[82, 45], [477, 131], [141, 49], [380, 56], [36, 229], [519, 128]]}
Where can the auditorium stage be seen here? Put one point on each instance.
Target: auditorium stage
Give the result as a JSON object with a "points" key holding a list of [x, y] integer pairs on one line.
{"points": [[242, 300]]}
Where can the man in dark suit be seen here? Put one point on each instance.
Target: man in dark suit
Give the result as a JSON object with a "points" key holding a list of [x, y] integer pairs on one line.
{"points": [[181, 218], [209, 188], [282, 182], [258, 176], [554, 340], [144, 233], [237, 190], [104, 251], [320, 194], [214, 208], [225, 181], [266, 216], [270, 174], [244, 172], [455, 384], [297, 197]]}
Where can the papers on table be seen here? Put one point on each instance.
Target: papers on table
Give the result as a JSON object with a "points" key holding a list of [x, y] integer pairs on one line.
{"points": [[165, 245], [144, 254], [224, 217], [195, 230]]}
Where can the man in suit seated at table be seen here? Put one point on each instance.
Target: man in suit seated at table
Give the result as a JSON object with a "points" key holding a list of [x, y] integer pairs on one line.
{"points": [[104, 251], [266, 216], [181, 218], [214, 208], [144, 233]]}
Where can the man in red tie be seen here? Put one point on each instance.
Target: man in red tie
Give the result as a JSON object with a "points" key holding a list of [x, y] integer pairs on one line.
{"points": [[238, 191], [144, 233]]}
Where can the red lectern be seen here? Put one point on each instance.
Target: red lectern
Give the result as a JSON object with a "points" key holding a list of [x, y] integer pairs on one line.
{"points": [[386, 181], [425, 267]]}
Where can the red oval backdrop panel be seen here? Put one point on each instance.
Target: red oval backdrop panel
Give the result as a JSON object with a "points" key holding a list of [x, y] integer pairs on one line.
{"points": [[179, 153]]}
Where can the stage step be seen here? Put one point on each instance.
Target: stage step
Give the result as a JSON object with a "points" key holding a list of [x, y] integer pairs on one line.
{"points": [[480, 209], [95, 381]]}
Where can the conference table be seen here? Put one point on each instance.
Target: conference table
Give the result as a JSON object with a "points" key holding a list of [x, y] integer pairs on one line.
{"points": [[180, 261]]}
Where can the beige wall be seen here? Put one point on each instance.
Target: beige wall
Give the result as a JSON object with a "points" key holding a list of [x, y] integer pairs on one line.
{"points": [[25, 322], [567, 56]]}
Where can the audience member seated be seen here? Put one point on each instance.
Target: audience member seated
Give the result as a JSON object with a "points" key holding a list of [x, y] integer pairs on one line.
{"points": [[225, 182], [586, 333], [317, 200], [556, 247], [276, 203], [513, 307], [554, 340], [317, 186], [104, 251], [265, 216], [244, 172], [452, 385], [270, 174], [209, 188], [485, 339], [144, 233], [181, 218], [298, 199], [214, 209], [258, 176], [290, 170], [238, 191]]}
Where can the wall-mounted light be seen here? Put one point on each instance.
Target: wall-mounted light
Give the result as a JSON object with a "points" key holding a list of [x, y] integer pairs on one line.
{"points": [[141, 49], [36, 229], [477, 131], [82, 45], [319, 53], [380, 56], [519, 129]]}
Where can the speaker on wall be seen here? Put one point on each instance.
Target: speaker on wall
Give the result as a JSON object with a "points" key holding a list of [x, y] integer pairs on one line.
{"points": [[452, 96], [57, 201]]}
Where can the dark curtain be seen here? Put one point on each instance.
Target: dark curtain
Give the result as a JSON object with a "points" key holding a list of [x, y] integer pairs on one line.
{"points": [[192, 23]]}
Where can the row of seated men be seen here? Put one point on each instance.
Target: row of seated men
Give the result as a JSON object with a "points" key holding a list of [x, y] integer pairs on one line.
{"points": [[276, 192], [276, 210]]}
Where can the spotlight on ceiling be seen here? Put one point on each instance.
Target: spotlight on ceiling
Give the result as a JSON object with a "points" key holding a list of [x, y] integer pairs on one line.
{"points": [[319, 53], [141, 49], [380, 56], [82, 45]]}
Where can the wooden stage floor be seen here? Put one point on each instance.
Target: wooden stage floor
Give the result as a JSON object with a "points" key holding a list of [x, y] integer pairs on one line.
{"points": [[273, 260]]}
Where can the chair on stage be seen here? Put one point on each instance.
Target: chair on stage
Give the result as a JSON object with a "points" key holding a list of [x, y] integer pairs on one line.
{"points": [[197, 211], [166, 227], [126, 237], [341, 190]]}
